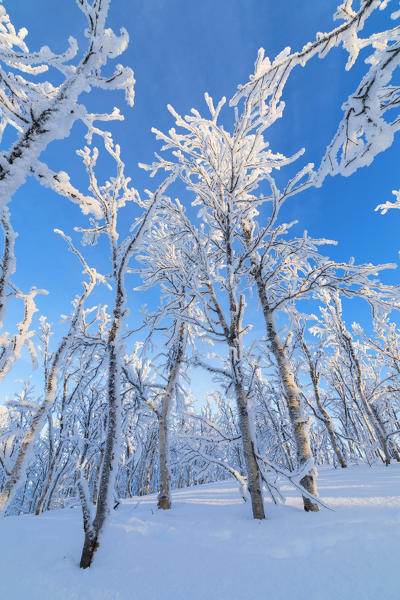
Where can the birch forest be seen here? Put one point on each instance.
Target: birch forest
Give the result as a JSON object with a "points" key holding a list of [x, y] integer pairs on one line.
{"points": [[211, 338]]}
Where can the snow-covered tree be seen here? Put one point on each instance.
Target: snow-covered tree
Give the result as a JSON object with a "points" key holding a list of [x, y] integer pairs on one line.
{"points": [[53, 367], [40, 111], [158, 396], [362, 381], [231, 176], [106, 200]]}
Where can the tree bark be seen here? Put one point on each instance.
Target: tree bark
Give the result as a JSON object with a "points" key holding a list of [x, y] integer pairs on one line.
{"points": [[109, 466], [326, 416], [298, 420], [253, 475], [232, 337], [164, 495]]}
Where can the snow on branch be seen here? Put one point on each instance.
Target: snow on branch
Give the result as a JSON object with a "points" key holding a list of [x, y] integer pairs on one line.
{"points": [[295, 477], [266, 85], [371, 117], [388, 205], [42, 111]]}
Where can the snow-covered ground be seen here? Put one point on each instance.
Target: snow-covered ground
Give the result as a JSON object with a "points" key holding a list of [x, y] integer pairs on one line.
{"points": [[209, 548]]}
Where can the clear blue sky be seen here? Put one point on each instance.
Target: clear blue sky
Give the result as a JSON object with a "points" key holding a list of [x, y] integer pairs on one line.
{"points": [[179, 49]]}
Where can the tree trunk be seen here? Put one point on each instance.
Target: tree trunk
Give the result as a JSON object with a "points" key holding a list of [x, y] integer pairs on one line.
{"points": [[97, 477], [326, 416], [110, 459], [164, 495], [253, 476], [232, 336], [298, 420]]}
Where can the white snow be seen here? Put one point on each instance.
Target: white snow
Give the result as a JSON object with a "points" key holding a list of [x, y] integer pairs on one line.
{"points": [[208, 547]]}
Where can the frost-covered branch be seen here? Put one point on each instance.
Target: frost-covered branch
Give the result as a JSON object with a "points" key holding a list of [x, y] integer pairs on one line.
{"points": [[267, 83], [42, 111]]}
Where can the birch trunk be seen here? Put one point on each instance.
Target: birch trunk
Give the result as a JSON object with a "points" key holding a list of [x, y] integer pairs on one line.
{"points": [[326, 416], [110, 458], [298, 420], [164, 495], [97, 478], [232, 337], [253, 475], [372, 415]]}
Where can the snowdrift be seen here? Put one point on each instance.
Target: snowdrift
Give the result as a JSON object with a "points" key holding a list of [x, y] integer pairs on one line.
{"points": [[208, 547]]}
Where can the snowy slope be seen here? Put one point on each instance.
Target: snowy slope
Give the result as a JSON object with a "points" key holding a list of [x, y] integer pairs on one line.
{"points": [[208, 547]]}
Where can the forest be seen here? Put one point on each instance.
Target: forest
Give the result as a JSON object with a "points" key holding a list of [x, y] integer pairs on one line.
{"points": [[193, 328]]}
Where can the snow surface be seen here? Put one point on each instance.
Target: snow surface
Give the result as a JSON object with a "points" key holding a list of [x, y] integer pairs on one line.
{"points": [[208, 547]]}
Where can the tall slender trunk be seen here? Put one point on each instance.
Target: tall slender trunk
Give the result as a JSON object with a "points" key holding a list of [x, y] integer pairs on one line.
{"points": [[298, 420], [253, 475], [110, 459], [97, 477], [232, 337], [326, 416], [372, 415], [164, 495]]}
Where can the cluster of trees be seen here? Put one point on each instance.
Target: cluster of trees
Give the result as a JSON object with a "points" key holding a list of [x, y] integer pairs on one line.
{"points": [[254, 306]]}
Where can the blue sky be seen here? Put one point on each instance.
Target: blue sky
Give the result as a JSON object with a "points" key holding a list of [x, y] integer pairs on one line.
{"points": [[179, 49]]}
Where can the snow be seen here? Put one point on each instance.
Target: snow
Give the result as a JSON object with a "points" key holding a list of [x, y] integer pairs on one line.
{"points": [[208, 546]]}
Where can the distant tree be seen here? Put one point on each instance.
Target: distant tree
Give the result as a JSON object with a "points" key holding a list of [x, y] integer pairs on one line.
{"points": [[158, 396], [54, 364], [363, 382]]}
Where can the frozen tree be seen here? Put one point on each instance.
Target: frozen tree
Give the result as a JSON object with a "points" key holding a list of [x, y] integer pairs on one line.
{"points": [[164, 263], [79, 398], [40, 111], [52, 371], [313, 363], [363, 384], [159, 396], [231, 176], [43, 111], [106, 200], [205, 271], [382, 370]]}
